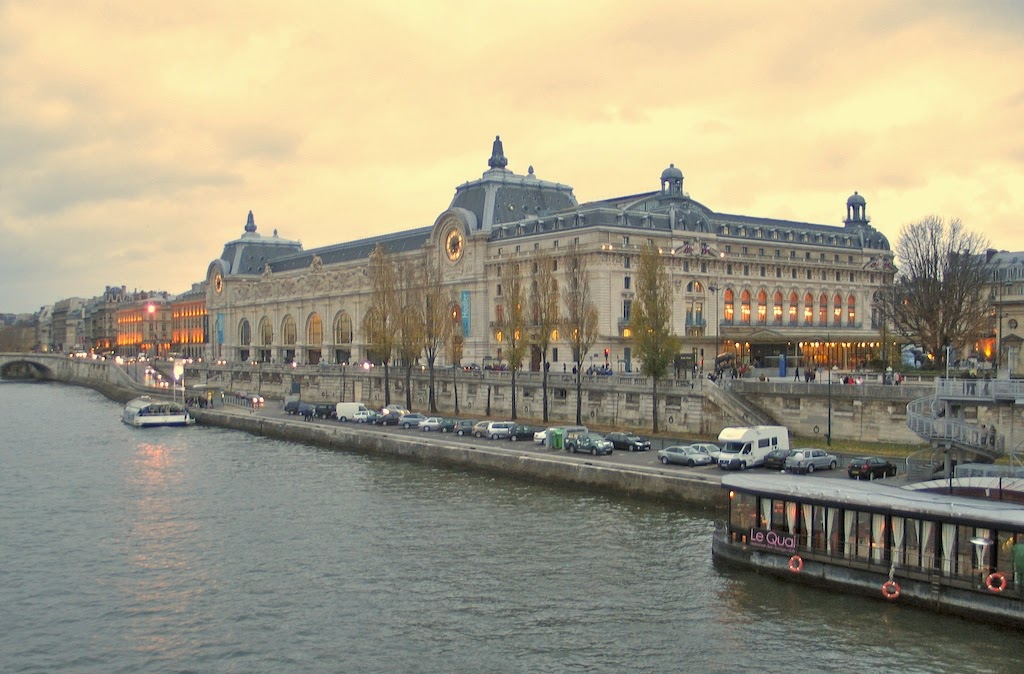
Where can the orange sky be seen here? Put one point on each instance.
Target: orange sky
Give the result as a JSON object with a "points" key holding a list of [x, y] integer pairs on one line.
{"points": [[135, 137]]}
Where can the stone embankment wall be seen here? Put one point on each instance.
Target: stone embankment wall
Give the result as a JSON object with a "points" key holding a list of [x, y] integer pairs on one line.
{"points": [[694, 490]]}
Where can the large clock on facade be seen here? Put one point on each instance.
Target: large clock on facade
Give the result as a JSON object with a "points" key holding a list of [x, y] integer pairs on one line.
{"points": [[454, 242], [218, 282]]}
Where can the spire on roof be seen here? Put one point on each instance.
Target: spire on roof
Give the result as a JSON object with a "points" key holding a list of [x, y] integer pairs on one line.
{"points": [[497, 160]]}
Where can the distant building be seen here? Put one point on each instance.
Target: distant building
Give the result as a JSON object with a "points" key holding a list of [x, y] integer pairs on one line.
{"points": [[144, 326], [756, 288], [1002, 345], [188, 322]]}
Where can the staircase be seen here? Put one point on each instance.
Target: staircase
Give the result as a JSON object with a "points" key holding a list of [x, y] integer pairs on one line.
{"points": [[735, 407]]}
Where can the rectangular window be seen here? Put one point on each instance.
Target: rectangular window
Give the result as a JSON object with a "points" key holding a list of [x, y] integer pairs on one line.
{"points": [[625, 262], [808, 274], [626, 282], [627, 309], [625, 241], [498, 292]]}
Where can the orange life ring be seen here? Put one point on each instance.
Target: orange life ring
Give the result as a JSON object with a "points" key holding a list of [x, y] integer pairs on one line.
{"points": [[891, 590], [796, 564], [996, 581]]}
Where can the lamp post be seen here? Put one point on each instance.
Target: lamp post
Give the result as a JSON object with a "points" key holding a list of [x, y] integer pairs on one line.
{"points": [[828, 435]]}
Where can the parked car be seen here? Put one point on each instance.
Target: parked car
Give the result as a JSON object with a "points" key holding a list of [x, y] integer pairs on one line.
{"points": [[292, 407], [446, 425], [306, 411], [411, 420], [810, 460], [393, 408], [498, 430], [541, 436], [365, 416], [628, 441], [464, 427], [711, 448], [686, 455], [521, 432], [480, 429], [870, 467], [389, 419], [324, 410], [592, 443], [431, 424], [776, 459]]}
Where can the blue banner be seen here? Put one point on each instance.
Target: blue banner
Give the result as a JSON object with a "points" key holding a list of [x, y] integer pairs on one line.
{"points": [[465, 313], [220, 328]]}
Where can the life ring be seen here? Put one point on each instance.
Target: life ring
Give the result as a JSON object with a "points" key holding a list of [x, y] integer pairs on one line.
{"points": [[996, 582], [796, 564], [891, 590]]}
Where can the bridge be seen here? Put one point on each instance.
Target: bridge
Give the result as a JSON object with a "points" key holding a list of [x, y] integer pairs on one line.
{"points": [[974, 419], [103, 375]]}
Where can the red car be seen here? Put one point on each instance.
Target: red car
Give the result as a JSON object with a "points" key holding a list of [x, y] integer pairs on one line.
{"points": [[870, 468]]}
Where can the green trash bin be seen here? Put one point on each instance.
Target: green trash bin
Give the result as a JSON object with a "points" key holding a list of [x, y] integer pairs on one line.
{"points": [[557, 438]]}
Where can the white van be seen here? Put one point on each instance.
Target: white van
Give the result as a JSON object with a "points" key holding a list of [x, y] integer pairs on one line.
{"points": [[746, 446], [347, 411]]}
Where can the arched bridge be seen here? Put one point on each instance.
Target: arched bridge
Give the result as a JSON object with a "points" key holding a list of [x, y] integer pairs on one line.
{"points": [[104, 375]]}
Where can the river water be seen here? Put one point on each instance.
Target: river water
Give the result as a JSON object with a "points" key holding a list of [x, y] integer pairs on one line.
{"points": [[207, 550]]}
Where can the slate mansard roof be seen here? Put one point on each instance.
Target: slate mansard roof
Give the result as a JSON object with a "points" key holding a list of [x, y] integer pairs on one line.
{"points": [[502, 204]]}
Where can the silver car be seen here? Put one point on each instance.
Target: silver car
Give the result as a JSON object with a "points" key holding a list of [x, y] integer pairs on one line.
{"points": [[810, 460], [689, 455]]}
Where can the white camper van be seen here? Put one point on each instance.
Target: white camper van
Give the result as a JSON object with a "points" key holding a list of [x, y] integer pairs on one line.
{"points": [[347, 411], [746, 446]]}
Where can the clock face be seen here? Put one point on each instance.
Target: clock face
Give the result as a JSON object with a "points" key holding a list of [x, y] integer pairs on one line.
{"points": [[218, 282], [453, 244]]}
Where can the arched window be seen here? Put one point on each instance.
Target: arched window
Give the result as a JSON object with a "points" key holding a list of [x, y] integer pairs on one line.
{"points": [[745, 306], [837, 310], [729, 310], [342, 328], [314, 330], [266, 332], [694, 287], [851, 311], [288, 331], [244, 333], [777, 309], [823, 309], [794, 308], [762, 307], [808, 308]]}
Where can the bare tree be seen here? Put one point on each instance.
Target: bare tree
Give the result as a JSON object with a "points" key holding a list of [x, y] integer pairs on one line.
{"points": [[511, 323], [937, 297], [436, 301], [545, 312], [454, 345], [379, 324], [580, 318], [651, 321], [410, 321]]}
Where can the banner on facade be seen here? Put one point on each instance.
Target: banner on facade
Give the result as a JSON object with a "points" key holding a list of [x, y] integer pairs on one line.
{"points": [[220, 328], [465, 313]]}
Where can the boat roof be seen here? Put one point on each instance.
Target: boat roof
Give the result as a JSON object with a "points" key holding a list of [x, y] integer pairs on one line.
{"points": [[874, 496]]}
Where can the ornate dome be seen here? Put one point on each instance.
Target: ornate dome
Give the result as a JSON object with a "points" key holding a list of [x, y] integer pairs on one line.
{"points": [[856, 200], [671, 173]]}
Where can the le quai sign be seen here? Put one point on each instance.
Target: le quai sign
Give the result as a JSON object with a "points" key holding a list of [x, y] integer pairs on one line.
{"points": [[773, 540]]}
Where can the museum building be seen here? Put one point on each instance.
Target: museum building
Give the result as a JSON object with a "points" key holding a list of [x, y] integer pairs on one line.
{"points": [[757, 289]]}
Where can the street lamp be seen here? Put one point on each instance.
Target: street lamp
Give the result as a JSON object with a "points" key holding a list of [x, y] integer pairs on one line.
{"points": [[828, 435]]}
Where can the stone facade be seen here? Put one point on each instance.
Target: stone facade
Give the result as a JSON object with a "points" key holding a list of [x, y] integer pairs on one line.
{"points": [[756, 288]]}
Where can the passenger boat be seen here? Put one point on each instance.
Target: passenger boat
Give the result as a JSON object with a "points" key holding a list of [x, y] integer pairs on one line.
{"points": [[145, 411], [948, 553]]}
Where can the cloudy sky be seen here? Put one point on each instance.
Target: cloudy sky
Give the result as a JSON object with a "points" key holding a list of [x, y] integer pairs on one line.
{"points": [[136, 136]]}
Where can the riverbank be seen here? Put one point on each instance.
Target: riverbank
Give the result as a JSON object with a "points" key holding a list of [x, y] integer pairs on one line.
{"points": [[526, 462]]}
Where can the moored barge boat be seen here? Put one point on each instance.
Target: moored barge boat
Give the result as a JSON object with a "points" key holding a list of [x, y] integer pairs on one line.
{"points": [[947, 553], [146, 412]]}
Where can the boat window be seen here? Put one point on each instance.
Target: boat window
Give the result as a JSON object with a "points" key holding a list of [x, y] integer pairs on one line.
{"points": [[743, 512]]}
